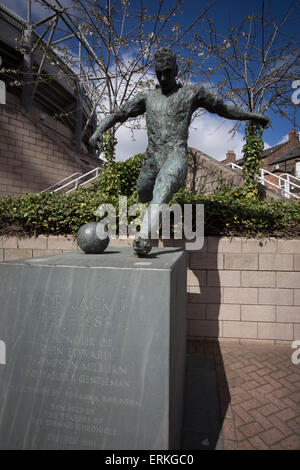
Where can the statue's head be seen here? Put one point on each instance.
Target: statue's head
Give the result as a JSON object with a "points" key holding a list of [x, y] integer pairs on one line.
{"points": [[166, 68]]}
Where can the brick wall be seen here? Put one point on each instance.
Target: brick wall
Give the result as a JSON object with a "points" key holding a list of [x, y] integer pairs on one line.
{"points": [[291, 143], [30, 158], [239, 289], [245, 290], [205, 174], [274, 180]]}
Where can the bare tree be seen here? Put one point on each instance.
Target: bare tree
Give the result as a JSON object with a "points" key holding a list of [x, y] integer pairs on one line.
{"points": [[254, 64], [109, 45]]}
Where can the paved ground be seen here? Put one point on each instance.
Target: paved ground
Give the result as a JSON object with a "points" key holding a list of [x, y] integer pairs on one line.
{"points": [[259, 394]]}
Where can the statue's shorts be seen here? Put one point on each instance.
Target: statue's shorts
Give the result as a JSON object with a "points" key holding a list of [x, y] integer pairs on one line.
{"points": [[159, 182]]}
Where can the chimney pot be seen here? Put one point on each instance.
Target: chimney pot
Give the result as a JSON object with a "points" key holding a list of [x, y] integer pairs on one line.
{"points": [[230, 156], [293, 135]]}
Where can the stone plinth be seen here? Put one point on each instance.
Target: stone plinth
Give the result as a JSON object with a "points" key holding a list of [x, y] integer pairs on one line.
{"points": [[95, 351]]}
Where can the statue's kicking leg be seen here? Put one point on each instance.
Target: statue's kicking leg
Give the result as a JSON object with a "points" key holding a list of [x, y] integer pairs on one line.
{"points": [[145, 186], [169, 180], [146, 181]]}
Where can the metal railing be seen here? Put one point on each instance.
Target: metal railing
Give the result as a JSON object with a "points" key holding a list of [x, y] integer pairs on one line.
{"points": [[285, 183], [59, 183], [75, 182], [234, 165], [291, 182]]}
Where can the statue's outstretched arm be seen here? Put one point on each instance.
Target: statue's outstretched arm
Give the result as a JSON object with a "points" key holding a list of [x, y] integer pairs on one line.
{"points": [[214, 104], [132, 108]]}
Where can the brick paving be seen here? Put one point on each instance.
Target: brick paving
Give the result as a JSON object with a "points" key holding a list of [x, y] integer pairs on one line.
{"points": [[259, 394]]}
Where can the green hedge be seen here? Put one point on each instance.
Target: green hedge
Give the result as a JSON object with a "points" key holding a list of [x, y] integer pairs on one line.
{"points": [[120, 177], [52, 214], [228, 212]]}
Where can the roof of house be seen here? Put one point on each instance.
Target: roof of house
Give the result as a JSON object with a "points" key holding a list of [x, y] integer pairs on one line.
{"points": [[270, 150], [294, 153], [266, 152]]}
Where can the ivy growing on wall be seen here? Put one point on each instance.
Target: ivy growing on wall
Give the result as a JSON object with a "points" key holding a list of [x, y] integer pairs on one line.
{"points": [[109, 146], [252, 151]]}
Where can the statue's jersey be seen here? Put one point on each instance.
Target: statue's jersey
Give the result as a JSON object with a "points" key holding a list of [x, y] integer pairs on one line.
{"points": [[167, 117]]}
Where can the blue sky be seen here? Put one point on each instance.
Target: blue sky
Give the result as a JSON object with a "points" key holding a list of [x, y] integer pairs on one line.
{"points": [[208, 133]]}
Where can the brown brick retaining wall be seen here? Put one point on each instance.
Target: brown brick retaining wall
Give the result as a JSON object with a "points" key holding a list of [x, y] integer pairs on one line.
{"points": [[238, 289], [33, 158]]}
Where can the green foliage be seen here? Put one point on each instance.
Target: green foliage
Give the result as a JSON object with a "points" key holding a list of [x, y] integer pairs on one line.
{"points": [[53, 213], [228, 212], [109, 146], [49, 213], [252, 151], [120, 177]]}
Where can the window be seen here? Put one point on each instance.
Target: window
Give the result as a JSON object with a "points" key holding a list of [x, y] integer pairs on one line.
{"points": [[298, 169]]}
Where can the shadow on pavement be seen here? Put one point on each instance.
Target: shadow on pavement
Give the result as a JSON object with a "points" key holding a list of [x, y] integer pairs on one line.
{"points": [[204, 407]]}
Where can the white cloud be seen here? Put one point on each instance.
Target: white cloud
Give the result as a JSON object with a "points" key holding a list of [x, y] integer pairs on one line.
{"points": [[210, 134], [267, 146]]}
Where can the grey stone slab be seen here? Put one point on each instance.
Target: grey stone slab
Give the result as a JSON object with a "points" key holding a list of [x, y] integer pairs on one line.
{"points": [[95, 350], [112, 258]]}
